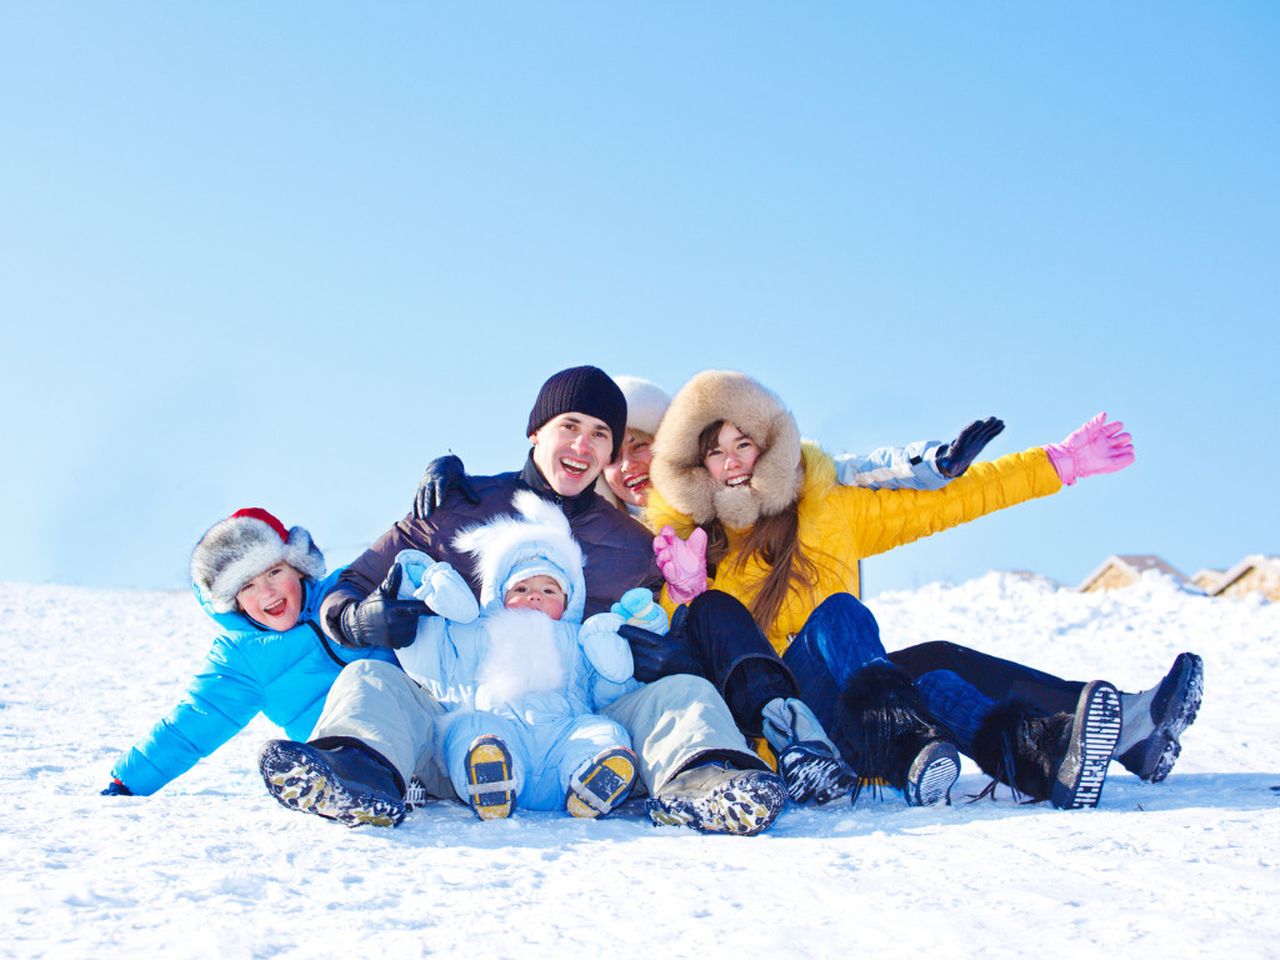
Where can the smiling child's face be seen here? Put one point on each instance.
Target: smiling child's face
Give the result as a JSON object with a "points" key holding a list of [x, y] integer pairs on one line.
{"points": [[273, 597]]}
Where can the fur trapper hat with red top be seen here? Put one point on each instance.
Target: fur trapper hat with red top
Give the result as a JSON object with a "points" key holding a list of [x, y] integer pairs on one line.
{"points": [[235, 550]]}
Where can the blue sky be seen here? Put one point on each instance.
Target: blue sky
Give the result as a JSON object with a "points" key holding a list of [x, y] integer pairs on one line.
{"points": [[282, 254]]}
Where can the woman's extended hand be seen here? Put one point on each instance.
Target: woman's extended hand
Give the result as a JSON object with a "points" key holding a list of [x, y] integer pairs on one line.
{"points": [[1096, 447], [683, 563]]}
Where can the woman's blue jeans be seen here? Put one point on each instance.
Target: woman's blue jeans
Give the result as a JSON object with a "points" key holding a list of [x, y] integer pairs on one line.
{"points": [[839, 638]]}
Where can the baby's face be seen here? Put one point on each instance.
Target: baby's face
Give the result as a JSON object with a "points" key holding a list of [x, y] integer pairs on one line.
{"points": [[537, 593]]}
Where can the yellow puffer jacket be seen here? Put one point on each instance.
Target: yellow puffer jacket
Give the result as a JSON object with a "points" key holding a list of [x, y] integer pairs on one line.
{"points": [[840, 525]]}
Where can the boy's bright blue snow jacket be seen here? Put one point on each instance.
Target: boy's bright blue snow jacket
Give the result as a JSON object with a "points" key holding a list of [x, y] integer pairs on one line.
{"points": [[249, 670]]}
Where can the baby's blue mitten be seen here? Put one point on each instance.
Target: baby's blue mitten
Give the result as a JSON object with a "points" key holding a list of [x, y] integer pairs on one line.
{"points": [[638, 608]]}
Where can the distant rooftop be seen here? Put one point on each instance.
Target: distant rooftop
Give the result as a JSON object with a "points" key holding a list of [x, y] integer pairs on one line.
{"points": [[1121, 569]]}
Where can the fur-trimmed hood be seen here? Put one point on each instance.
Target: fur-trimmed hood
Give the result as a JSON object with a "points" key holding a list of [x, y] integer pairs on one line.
{"points": [[679, 474], [539, 536], [818, 478]]}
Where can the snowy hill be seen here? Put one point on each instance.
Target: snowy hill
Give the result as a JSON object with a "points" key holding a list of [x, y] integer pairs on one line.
{"points": [[211, 866]]}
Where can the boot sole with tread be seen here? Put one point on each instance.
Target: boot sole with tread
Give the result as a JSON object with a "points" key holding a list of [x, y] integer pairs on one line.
{"points": [[1095, 730], [933, 772], [298, 776], [603, 785], [491, 791], [744, 805]]}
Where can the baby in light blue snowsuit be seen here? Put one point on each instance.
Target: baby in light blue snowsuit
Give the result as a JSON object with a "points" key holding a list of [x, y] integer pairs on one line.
{"points": [[521, 676]]}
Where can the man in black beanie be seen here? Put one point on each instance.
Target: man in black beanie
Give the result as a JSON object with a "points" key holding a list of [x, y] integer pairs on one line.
{"points": [[692, 757], [576, 427]]}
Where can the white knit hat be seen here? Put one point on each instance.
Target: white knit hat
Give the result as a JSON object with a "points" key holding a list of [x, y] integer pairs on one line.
{"points": [[235, 550], [646, 403]]}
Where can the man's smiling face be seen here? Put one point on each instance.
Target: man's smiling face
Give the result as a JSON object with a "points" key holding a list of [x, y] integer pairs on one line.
{"points": [[571, 450]]}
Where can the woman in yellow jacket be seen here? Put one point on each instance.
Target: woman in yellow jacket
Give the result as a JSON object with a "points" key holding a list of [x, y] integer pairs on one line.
{"points": [[748, 511]]}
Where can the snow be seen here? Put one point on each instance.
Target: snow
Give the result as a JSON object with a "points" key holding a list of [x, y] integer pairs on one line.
{"points": [[211, 866]]}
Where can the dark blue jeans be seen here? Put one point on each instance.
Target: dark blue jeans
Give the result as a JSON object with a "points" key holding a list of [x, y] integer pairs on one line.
{"points": [[840, 637]]}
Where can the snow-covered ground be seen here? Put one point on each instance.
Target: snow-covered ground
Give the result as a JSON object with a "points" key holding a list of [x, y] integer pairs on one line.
{"points": [[211, 866]]}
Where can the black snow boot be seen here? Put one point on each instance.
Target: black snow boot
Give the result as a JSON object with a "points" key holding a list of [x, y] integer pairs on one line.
{"points": [[1059, 757], [1155, 719], [339, 778], [893, 739]]}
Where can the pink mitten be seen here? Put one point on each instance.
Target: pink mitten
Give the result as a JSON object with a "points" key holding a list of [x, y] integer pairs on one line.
{"points": [[1097, 447], [683, 563]]}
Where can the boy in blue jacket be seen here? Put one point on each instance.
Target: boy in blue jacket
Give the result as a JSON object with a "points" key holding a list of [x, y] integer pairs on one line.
{"points": [[263, 585]]}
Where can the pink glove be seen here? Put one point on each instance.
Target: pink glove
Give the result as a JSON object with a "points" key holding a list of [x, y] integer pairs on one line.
{"points": [[1097, 447], [683, 563]]}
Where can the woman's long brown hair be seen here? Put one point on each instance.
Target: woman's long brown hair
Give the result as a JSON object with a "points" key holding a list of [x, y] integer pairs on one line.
{"points": [[775, 539]]}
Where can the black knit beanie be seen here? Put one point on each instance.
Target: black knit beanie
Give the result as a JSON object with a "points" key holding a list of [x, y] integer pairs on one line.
{"points": [[587, 390]]}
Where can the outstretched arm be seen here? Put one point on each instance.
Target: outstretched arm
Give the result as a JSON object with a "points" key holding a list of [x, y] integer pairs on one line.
{"points": [[219, 703], [922, 465], [881, 520]]}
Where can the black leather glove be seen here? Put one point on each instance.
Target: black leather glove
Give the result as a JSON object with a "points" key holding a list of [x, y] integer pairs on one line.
{"points": [[956, 457], [116, 789], [660, 655], [380, 620], [443, 475]]}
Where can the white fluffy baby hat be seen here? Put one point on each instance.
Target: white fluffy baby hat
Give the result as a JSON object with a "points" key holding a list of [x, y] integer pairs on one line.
{"points": [[538, 540]]}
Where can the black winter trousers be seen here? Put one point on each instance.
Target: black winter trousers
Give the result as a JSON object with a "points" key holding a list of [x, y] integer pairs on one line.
{"points": [[997, 679], [736, 657]]}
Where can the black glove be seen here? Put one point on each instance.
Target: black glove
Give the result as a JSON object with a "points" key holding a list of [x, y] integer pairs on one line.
{"points": [[442, 476], [380, 620], [660, 655], [116, 789], [955, 458]]}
